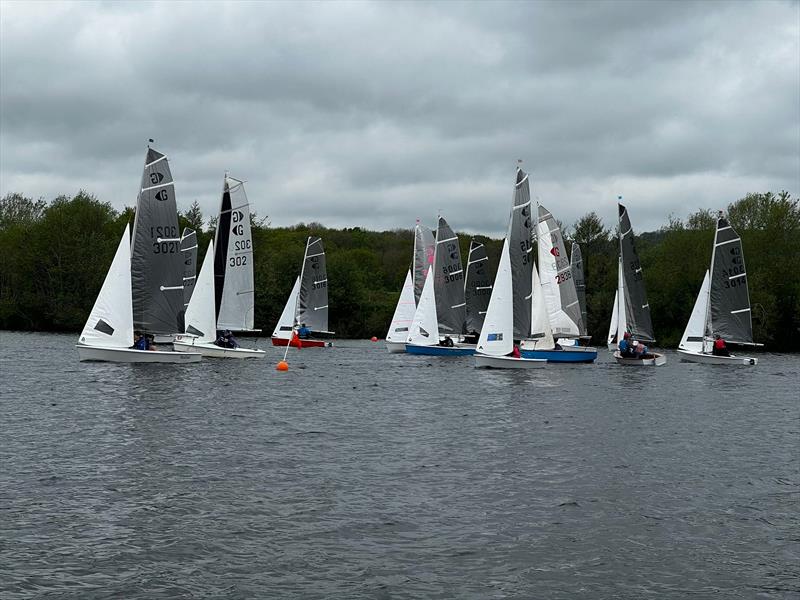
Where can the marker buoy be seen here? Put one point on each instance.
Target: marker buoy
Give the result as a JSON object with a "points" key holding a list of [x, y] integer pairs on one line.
{"points": [[282, 366], [373, 339]]}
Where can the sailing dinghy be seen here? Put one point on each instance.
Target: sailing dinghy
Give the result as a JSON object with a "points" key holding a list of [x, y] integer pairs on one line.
{"points": [[496, 343], [722, 306], [308, 302], [403, 316], [201, 328], [108, 333], [633, 312]]}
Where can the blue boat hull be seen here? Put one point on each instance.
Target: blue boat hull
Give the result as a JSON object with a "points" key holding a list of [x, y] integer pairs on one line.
{"points": [[439, 350], [561, 356]]}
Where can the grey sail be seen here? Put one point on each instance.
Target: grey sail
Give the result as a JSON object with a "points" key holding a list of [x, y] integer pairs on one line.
{"points": [[448, 281], [312, 301], [424, 248], [189, 251], [477, 287], [520, 234], [156, 257], [234, 285], [637, 309], [576, 264], [729, 296]]}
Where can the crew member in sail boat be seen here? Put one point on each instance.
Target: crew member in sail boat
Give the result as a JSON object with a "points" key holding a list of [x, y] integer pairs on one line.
{"points": [[720, 347], [625, 347], [304, 332]]}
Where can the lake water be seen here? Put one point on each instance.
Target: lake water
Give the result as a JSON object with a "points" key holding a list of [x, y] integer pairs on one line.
{"points": [[359, 474]]}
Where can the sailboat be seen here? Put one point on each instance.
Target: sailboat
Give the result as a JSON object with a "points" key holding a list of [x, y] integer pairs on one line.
{"points": [[722, 306], [560, 296], [156, 259], [576, 267], [108, 332], [496, 342], [401, 320], [201, 327], [307, 304], [633, 312], [448, 298], [477, 289]]}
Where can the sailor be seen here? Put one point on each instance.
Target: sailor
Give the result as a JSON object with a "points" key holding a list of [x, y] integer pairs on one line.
{"points": [[447, 342], [720, 347], [230, 341], [472, 337], [515, 352], [304, 332], [139, 342], [625, 345]]}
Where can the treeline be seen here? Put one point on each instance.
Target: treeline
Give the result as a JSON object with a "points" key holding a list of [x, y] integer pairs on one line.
{"points": [[54, 256]]}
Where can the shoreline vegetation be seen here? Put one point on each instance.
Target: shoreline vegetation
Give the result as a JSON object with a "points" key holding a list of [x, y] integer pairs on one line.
{"points": [[54, 256]]}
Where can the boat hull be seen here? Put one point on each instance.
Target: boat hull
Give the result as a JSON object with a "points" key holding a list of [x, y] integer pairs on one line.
{"points": [[297, 343], [214, 351], [131, 355], [567, 354], [457, 350], [484, 361], [711, 359], [395, 347], [653, 359]]}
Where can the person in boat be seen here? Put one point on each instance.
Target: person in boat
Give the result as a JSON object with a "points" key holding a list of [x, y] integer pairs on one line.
{"points": [[447, 342], [720, 347], [515, 352], [230, 341], [556, 345], [472, 337], [139, 342], [150, 342], [626, 346], [304, 332]]}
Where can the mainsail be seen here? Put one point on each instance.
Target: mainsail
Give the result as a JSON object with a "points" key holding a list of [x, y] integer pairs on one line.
{"points": [[312, 301], [556, 276], [637, 309], [424, 249], [448, 281], [576, 266], [233, 260], [156, 258], [477, 286], [729, 297], [520, 234], [189, 251]]}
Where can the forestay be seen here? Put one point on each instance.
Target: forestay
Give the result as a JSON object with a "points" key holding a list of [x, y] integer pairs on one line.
{"points": [[110, 324], [692, 338], [520, 246], [497, 335], [576, 266], [477, 286], [730, 300], [200, 317], [312, 301], [403, 313], [559, 288], [233, 263], [424, 326], [637, 309], [424, 250], [156, 258], [448, 281]]}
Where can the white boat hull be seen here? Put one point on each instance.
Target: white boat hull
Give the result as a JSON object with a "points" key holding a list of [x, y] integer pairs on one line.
{"points": [[213, 351], [484, 361], [131, 355], [396, 347], [656, 361], [712, 359]]}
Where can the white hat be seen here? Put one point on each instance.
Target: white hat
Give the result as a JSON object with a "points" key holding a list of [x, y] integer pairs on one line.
{"points": [[635, 343]]}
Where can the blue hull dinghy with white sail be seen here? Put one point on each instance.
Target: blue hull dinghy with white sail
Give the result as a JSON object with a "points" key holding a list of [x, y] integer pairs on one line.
{"points": [[722, 306], [633, 312], [108, 334]]}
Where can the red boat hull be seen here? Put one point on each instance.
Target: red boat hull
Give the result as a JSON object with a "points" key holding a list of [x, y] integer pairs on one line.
{"points": [[298, 343]]}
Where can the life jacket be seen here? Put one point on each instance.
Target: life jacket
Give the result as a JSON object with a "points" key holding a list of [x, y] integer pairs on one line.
{"points": [[719, 344]]}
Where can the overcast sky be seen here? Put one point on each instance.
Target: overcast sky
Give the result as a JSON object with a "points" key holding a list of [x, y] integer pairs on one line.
{"points": [[374, 114]]}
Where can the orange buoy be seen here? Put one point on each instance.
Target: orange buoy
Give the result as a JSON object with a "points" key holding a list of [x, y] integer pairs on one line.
{"points": [[283, 366], [373, 339]]}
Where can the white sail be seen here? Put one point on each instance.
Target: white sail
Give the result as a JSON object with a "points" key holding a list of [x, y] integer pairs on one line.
{"points": [[692, 339], [425, 325], [403, 312], [612, 327], [234, 276], [622, 317], [285, 326], [541, 333], [110, 324], [497, 335], [200, 317]]}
